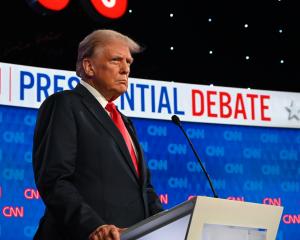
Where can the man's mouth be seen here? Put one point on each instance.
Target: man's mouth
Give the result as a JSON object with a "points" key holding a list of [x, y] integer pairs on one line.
{"points": [[122, 81]]}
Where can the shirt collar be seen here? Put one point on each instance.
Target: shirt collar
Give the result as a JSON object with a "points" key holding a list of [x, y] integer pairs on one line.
{"points": [[100, 98]]}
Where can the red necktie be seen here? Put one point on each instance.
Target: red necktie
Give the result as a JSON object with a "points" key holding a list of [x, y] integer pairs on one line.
{"points": [[117, 119]]}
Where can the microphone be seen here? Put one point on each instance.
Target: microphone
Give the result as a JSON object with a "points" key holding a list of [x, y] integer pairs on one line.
{"points": [[176, 120]]}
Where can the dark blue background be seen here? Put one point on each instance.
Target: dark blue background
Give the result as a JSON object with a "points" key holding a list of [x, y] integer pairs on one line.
{"points": [[253, 163]]}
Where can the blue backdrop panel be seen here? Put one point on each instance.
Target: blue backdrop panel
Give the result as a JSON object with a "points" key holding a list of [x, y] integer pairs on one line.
{"points": [[253, 164]]}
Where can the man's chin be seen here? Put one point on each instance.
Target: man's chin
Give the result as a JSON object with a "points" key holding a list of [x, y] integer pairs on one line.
{"points": [[118, 92], [122, 88]]}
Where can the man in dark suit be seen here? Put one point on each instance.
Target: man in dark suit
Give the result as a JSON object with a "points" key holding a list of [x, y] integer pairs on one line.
{"points": [[88, 164]]}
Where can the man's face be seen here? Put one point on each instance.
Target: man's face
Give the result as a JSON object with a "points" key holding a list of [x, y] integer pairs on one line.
{"points": [[110, 68]]}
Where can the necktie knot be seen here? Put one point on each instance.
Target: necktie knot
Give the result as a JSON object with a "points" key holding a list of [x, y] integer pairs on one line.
{"points": [[110, 106]]}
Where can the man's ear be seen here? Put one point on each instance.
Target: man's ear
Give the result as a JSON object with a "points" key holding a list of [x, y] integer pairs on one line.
{"points": [[88, 67]]}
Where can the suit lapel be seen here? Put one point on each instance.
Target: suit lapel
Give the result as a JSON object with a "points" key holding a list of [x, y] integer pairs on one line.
{"points": [[132, 133], [103, 118]]}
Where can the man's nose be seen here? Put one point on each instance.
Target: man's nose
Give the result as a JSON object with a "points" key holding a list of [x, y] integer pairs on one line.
{"points": [[125, 67]]}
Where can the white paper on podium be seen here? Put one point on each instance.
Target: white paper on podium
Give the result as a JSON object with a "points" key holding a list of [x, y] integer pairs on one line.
{"points": [[249, 221], [223, 232]]}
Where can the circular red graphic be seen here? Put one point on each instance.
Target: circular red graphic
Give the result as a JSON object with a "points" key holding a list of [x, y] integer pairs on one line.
{"points": [[110, 8], [54, 5]]}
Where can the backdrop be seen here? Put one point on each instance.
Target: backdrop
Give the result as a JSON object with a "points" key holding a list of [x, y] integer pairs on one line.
{"points": [[255, 164], [254, 157]]}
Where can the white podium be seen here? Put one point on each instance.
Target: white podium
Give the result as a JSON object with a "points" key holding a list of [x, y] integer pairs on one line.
{"points": [[205, 218]]}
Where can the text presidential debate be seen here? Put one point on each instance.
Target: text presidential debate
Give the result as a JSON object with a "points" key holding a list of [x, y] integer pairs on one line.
{"points": [[245, 162]]}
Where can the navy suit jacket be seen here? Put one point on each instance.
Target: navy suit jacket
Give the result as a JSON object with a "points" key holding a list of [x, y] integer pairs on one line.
{"points": [[83, 169]]}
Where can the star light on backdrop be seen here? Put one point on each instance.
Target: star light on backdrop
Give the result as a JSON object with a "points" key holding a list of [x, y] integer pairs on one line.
{"points": [[294, 111]]}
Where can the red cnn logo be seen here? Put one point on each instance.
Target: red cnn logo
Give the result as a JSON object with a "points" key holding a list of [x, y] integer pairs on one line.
{"points": [[96, 9], [30, 194], [164, 199], [9, 211], [272, 201], [241, 199], [291, 219]]}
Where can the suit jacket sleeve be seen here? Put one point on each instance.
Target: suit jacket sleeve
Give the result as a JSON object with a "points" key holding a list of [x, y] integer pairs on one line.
{"points": [[154, 203], [54, 162]]}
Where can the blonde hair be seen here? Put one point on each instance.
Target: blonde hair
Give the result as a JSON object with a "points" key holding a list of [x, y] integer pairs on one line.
{"points": [[99, 39]]}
